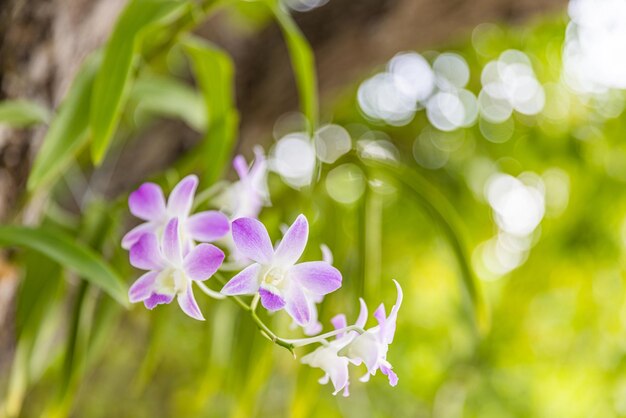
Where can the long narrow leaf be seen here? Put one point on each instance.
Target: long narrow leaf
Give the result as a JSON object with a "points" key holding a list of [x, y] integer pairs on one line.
{"points": [[214, 73], [169, 97], [20, 113], [112, 83], [69, 253], [68, 131], [452, 226], [302, 62]]}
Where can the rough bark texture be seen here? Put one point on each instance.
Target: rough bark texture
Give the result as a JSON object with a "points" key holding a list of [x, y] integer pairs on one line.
{"points": [[43, 42]]}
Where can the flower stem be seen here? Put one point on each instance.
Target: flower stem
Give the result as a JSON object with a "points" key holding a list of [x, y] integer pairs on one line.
{"points": [[322, 337], [269, 334], [209, 292]]}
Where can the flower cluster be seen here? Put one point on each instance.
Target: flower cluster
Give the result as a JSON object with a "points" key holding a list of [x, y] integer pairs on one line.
{"points": [[369, 348], [179, 249]]}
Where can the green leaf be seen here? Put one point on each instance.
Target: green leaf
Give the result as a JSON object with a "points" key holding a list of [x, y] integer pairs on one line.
{"points": [[112, 83], [445, 214], [71, 254], [168, 96], [67, 134], [20, 113], [302, 62], [214, 73]]}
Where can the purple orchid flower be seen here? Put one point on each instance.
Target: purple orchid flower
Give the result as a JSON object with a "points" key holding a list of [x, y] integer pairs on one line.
{"points": [[246, 197], [171, 270], [371, 347], [275, 275], [148, 203], [327, 358]]}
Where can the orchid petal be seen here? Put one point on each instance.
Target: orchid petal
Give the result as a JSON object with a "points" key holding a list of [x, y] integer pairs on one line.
{"points": [[241, 166], [142, 288], [297, 305], [390, 328], [147, 202], [270, 300], [317, 277], [246, 282], [170, 242], [134, 234], [202, 262], [327, 255], [181, 199], [157, 299], [145, 253], [362, 319], [188, 304], [339, 321], [207, 226], [393, 378], [252, 240], [339, 377], [293, 243]]}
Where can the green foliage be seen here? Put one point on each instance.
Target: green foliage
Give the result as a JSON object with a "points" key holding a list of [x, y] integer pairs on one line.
{"points": [[214, 73], [21, 113], [66, 251], [166, 96], [120, 56], [67, 134], [302, 62]]}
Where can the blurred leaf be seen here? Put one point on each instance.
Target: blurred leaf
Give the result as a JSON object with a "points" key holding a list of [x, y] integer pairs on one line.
{"points": [[452, 226], [19, 113], [112, 83], [168, 96], [302, 61], [69, 253], [68, 131], [214, 72], [37, 291]]}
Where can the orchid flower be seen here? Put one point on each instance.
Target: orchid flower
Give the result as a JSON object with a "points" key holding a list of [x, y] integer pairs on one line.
{"points": [[246, 197], [148, 203], [171, 269], [327, 356], [371, 347], [280, 282]]}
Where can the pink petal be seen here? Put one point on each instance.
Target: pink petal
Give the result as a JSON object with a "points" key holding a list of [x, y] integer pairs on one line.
{"points": [[188, 304], [170, 242], [147, 202], [390, 327], [142, 288], [203, 261], [241, 166], [181, 199], [297, 305], [208, 226], [339, 321], [252, 240], [293, 243], [134, 234], [145, 254], [246, 282], [317, 277], [393, 378], [362, 319], [380, 314], [339, 377], [157, 299], [270, 300]]}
